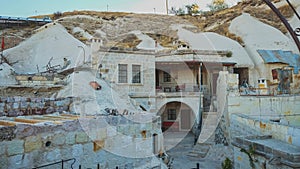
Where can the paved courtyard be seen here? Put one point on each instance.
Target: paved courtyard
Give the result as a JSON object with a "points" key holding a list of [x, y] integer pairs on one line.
{"points": [[183, 152]]}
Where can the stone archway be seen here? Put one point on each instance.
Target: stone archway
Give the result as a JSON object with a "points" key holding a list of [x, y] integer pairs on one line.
{"points": [[176, 116]]}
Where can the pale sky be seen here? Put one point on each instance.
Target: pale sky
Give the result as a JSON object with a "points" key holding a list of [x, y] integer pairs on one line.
{"points": [[25, 8]]}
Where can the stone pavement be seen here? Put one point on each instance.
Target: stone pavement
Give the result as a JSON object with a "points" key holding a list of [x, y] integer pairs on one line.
{"points": [[186, 155]]}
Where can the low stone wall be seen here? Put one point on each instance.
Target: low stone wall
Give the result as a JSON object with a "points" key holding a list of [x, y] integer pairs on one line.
{"points": [[21, 106], [106, 141], [242, 125], [265, 152]]}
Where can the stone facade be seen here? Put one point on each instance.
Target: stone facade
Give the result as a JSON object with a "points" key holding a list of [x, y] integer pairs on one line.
{"points": [[20, 106], [109, 62], [107, 142]]}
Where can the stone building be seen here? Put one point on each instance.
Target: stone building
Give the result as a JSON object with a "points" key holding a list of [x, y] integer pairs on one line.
{"points": [[169, 83]]}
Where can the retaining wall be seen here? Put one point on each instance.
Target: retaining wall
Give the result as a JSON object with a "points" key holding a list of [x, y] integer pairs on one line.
{"points": [[106, 141], [20, 106]]}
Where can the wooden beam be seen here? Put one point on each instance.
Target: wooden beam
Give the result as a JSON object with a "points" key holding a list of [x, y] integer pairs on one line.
{"points": [[7, 123]]}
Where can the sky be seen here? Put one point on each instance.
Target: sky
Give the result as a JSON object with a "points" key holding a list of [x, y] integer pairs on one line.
{"points": [[26, 8]]}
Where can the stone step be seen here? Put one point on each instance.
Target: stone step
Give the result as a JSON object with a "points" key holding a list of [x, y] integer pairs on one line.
{"points": [[199, 151], [198, 155]]}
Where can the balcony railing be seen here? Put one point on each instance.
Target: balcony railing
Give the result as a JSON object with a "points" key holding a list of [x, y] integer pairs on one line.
{"points": [[172, 88]]}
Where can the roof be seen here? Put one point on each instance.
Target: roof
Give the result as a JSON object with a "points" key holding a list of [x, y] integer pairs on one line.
{"points": [[279, 56]]}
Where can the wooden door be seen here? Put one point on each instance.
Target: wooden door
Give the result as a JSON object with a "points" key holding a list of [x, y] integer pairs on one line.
{"points": [[185, 119]]}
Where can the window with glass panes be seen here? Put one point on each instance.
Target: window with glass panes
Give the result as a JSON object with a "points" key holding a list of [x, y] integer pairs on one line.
{"points": [[136, 73], [171, 114], [122, 73], [167, 77]]}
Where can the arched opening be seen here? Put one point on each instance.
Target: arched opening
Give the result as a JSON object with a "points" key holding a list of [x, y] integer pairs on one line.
{"points": [[176, 116]]}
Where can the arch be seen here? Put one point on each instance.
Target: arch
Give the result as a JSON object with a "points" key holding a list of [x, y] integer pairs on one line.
{"points": [[192, 102], [177, 116]]}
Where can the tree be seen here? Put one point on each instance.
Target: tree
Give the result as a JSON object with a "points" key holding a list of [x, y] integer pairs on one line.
{"points": [[57, 15], [178, 11], [192, 9], [217, 5]]}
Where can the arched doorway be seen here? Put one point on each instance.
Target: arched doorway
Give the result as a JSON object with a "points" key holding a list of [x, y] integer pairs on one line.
{"points": [[176, 116]]}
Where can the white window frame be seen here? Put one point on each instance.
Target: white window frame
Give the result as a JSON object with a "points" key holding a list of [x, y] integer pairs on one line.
{"points": [[120, 76], [134, 74]]}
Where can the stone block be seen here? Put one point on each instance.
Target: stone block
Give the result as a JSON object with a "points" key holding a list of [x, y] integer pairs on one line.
{"points": [[3, 162], [24, 105], [16, 105], [61, 108], [33, 105], [14, 113], [33, 143], [111, 131], [70, 138], [296, 140], [59, 139], [7, 133], [19, 161], [77, 150], [2, 107], [3, 148], [15, 147], [115, 120], [81, 137], [25, 130], [123, 120], [88, 148], [58, 103], [101, 134], [50, 110], [53, 156], [10, 100]]}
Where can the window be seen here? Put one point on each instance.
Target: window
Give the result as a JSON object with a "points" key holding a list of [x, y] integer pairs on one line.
{"points": [[171, 114], [274, 74], [136, 73], [167, 77], [122, 73]]}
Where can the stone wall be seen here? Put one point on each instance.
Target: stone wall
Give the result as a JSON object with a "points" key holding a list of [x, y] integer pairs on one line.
{"points": [[269, 154], [242, 161], [227, 85], [21, 106], [241, 125], [261, 109], [109, 62], [106, 141], [266, 107]]}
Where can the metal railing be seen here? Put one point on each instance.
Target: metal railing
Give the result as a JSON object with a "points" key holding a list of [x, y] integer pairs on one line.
{"points": [[184, 87], [59, 162], [62, 162]]}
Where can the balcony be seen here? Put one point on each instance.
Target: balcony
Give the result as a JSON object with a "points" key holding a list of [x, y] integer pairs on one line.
{"points": [[177, 90]]}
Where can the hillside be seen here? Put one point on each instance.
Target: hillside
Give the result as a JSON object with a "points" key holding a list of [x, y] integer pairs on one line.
{"points": [[117, 28]]}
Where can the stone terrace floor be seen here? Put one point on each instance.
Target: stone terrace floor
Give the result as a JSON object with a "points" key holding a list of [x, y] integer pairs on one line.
{"points": [[181, 153]]}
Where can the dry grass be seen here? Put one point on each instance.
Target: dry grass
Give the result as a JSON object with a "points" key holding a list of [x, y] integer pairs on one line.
{"points": [[270, 18], [108, 15], [163, 40], [213, 22], [126, 41], [219, 22]]}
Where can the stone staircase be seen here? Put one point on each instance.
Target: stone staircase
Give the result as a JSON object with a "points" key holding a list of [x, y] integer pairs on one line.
{"points": [[209, 124], [199, 150], [207, 136]]}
